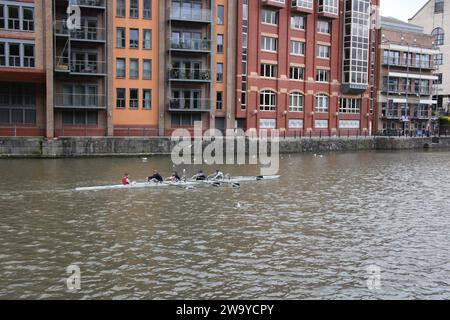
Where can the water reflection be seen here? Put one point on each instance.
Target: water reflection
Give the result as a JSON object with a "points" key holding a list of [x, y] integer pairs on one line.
{"points": [[310, 235]]}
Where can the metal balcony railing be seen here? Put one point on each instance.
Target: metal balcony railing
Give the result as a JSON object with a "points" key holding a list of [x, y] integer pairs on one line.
{"points": [[88, 3], [190, 75], [191, 44], [64, 64], [85, 33], [84, 101], [190, 104], [201, 15], [394, 62]]}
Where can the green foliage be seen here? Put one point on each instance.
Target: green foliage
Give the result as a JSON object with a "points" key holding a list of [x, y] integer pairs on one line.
{"points": [[444, 121]]}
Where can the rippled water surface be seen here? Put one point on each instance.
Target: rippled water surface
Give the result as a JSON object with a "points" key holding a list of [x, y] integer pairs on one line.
{"points": [[312, 234]]}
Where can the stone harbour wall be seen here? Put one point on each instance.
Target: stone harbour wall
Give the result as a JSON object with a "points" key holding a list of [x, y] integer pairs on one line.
{"points": [[114, 146]]}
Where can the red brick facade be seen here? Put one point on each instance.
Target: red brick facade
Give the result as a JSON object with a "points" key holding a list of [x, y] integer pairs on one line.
{"points": [[251, 116]]}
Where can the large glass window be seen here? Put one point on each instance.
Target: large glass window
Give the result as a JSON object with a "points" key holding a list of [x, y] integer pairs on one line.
{"points": [[296, 102], [28, 19], [147, 99], [120, 38], [120, 98], [17, 103], [147, 41], [147, 9], [269, 17], [438, 34], [350, 105], [134, 68], [120, 8], [13, 18], [147, 70], [134, 98], [298, 22], [220, 15], [120, 68], [267, 100], [134, 9], [322, 103], [134, 38]]}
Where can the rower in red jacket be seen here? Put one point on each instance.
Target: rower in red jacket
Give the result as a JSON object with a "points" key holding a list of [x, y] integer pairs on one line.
{"points": [[125, 179]]}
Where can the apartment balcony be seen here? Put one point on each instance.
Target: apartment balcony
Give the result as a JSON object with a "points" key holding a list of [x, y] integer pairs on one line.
{"points": [[408, 64], [79, 101], [80, 67], [422, 115], [402, 90], [302, 6], [390, 115], [192, 45], [201, 16], [190, 105], [88, 34], [196, 75], [95, 4], [329, 12], [277, 4]]}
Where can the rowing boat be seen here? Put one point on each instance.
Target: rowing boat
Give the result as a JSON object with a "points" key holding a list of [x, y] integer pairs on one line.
{"points": [[181, 184]]}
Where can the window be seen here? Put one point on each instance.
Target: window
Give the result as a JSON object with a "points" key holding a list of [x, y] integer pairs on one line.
{"points": [[120, 8], [134, 98], [323, 52], [298, 22], [219, 100], [134, 38], [220, 15], [322, 102], [147, 70], [134, 9], [269, 17], [180, 119], [297, 73], [120, 37], [220, 43], [323, 27], [147, 9], [134, 68], [28, 19], [147, 99], [2, 54], [220, 72], [269, 44], [438, 34], [267, 100], [120, 68], [268, 70], [438, 59], [14, 55], [28, 55], [147, 41], [439, 79], [439, 6], [16, 16], [80, 117], [13, 17], [296, 102], [350, 105], [329, 6], [297, 48], [17, 103], [322, 75], [2, 17], [120, 98]]}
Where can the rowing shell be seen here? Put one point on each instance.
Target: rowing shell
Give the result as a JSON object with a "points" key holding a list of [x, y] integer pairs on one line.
{"points": [[187, 184]]}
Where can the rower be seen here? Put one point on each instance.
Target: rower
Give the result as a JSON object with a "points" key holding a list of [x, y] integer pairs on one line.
{"points": [[125, 179], [200, 176], [156, 177], [174, 177], [217, 175]]}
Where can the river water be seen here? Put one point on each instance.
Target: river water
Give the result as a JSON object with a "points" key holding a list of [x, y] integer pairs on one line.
{"points": [[314, 234]]}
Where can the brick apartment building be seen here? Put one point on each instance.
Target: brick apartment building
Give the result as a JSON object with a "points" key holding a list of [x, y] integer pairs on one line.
{"points": [[147, 67]]}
